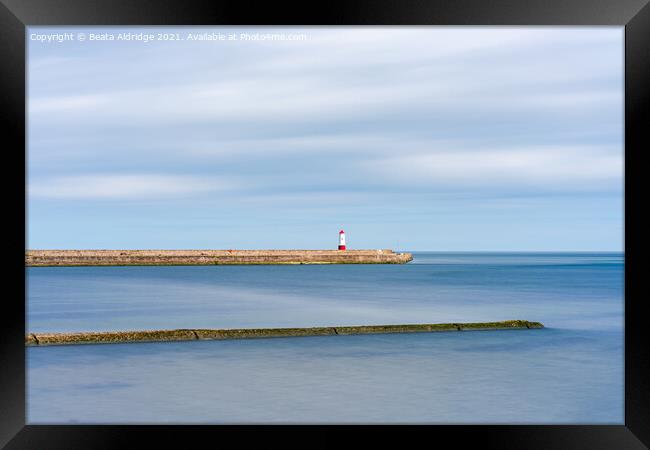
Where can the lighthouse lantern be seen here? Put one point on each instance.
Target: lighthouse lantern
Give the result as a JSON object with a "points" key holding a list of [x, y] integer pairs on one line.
{"points": [[341, 240]]}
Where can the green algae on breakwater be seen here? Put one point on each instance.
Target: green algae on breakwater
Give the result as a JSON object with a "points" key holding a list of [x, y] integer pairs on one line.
{"points": [[107, 337]]}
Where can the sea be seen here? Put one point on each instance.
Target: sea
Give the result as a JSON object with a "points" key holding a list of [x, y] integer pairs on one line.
{"points": [[570, 372]]}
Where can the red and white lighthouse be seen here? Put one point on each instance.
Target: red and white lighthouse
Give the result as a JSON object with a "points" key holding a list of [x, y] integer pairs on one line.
{"points": [[341, 240]]}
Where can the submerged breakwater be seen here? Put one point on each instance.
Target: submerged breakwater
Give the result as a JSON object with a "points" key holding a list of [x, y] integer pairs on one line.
{"points": [[209, 334], [210, 257]]}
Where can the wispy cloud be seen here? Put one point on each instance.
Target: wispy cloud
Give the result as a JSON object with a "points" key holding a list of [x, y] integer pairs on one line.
{"points": [[83, 104], [343, 75], [550, 168], [122, 186]]}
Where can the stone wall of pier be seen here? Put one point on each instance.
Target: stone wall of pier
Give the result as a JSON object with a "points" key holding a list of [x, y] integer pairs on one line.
{"points": [[210, 257]]}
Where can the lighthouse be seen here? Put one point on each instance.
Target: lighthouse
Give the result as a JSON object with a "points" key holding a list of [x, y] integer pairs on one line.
{"points": [[341, 240]]}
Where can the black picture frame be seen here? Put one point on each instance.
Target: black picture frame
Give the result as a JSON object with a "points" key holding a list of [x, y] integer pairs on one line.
{"points": [[16, 15]]}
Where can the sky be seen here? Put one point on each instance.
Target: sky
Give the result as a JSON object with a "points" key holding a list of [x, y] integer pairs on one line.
{"points": [[410, 138]]}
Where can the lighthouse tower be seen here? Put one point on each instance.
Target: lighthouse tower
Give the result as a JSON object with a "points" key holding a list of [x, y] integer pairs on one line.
{"points": [[341, 240]]}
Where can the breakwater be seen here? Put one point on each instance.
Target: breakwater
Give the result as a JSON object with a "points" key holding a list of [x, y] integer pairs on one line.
{"points": [[109, 337], [210, 257]]}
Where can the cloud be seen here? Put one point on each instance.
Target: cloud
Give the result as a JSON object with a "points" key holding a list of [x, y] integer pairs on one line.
{"points": [[338, 75], [122, 186], [549, 167], [71, 103]]}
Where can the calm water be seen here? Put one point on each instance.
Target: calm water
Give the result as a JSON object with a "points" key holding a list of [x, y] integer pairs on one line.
{"points": [[570, 372]]}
